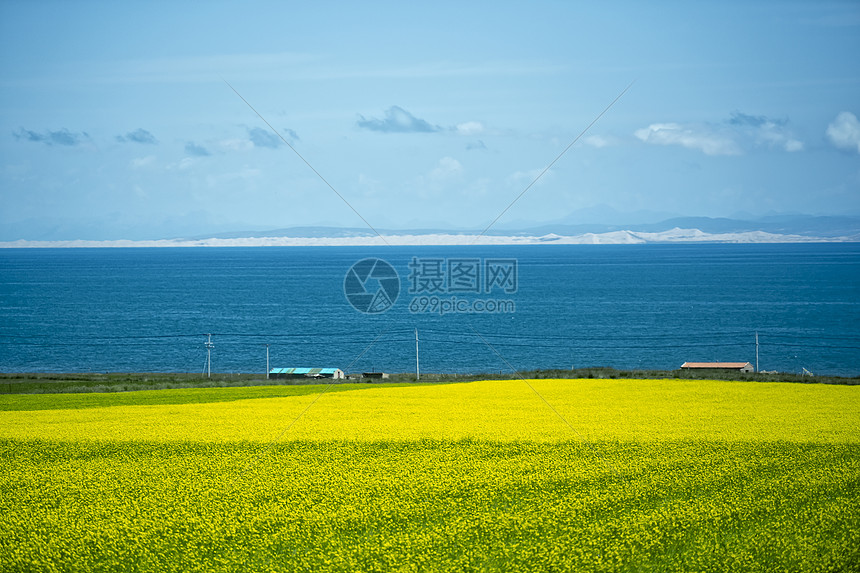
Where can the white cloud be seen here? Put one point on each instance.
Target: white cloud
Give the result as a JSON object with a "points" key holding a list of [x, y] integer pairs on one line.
{"points": [[793, 145], [764, 131], [701, 138], [844, 131], [141, 162], [598, 141], [397, 120], [183, 164], [772, 136], [448, 167], [740, 133], [470, 128], [534, 176], [236, 144]]}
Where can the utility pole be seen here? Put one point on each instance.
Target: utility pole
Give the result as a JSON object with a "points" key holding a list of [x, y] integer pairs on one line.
{"points": [[417, 370], [267, 362], [756, 350], [209, 347]]}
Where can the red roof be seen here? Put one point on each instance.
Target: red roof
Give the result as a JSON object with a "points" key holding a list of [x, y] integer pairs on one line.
{"points": [[735, 365]]}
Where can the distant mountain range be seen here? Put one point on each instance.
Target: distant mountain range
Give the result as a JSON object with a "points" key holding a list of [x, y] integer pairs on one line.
{"points": [[808, 226], [773, 229], [804, 225]]}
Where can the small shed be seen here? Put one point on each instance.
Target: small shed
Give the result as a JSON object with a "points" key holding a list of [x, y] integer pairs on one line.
{"points": [[374, 374], [733, 366], [334, 373]]}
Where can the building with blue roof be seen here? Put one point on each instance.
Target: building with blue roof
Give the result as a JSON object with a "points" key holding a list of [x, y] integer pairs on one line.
{"points": [[334, 373]]}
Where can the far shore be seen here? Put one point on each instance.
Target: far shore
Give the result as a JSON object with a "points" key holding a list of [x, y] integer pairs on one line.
{"points": [[55, 383], [366, 239]]}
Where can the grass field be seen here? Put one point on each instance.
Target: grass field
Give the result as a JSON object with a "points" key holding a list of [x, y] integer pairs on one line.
{"points": [[563, 475], [53, 383]]}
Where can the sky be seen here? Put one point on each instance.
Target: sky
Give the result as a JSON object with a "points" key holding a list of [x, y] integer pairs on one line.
{"points": [[119, 120]]}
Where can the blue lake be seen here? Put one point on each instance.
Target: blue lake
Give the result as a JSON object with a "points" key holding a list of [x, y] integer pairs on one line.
{"points": [[627, 306]]}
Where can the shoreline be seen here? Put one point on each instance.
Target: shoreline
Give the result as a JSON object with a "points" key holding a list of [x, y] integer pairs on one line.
{"points": [[673, 236], [110, 382]]}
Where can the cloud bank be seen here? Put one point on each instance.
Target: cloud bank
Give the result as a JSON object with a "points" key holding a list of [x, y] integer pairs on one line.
{"points": [[397, 120], [448, 167], [139, 135], [740, 133], [59, 137], [264, 138], [470, 128], [195, 150], [698, 137], [844, 131]]}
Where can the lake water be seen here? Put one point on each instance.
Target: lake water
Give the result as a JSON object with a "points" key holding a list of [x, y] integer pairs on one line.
{"points": [[556, 306]]}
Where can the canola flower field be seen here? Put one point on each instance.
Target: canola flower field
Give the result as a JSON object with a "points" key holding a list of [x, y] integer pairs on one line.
{"points": [[539, 475]]}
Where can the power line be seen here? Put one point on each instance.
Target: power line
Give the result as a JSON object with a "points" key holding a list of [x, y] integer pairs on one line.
{"points": [[590, 342], [553, 162], [306, 162]]}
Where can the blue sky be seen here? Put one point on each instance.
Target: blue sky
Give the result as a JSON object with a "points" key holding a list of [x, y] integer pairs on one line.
{"points": [[117, 122]]}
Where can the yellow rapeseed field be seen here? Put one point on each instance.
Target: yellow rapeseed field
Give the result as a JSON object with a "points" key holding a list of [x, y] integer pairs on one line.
{"points": [[543, 475], [490, 410]]}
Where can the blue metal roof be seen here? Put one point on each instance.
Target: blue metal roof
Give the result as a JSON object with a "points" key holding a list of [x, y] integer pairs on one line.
{"points": [[303, 370]]}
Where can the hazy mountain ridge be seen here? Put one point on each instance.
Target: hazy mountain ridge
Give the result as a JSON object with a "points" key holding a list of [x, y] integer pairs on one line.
{"points": [[625, 237], [803, 225], [773, 229]]}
